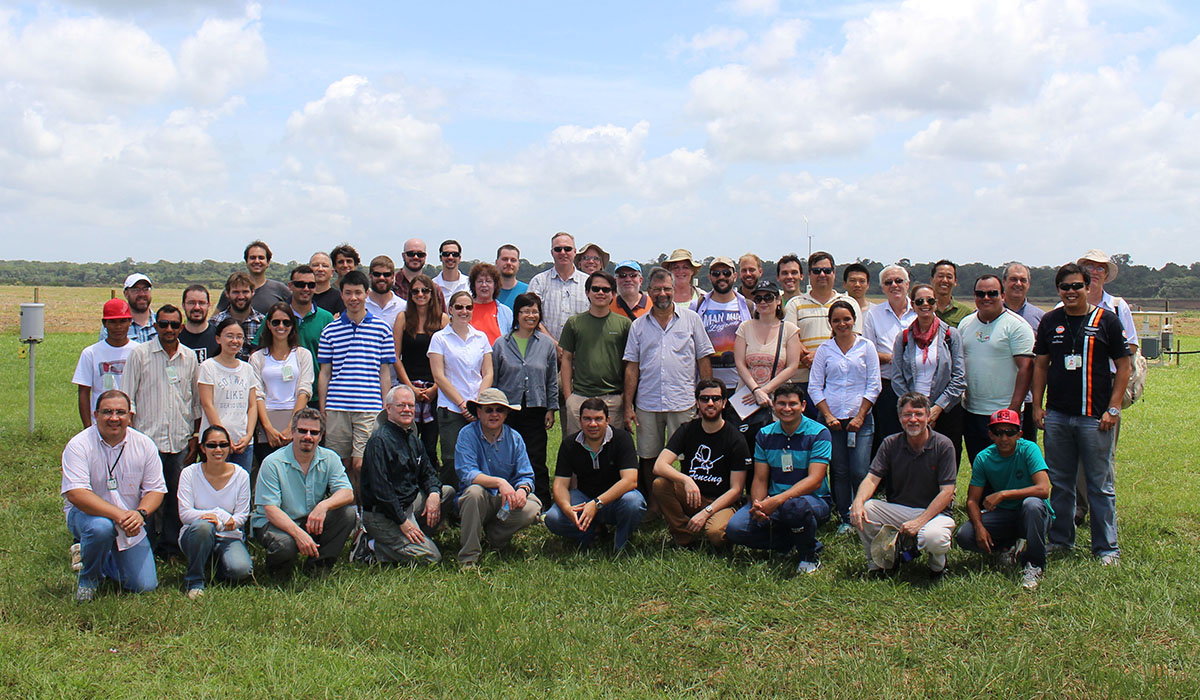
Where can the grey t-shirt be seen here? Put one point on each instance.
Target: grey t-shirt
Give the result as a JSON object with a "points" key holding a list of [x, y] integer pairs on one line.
{"points": [[914, 478]]}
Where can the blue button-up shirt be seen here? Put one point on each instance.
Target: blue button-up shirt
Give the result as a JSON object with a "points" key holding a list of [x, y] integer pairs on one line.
{"points": [[506, 458], [281, 483], [666, 359]]}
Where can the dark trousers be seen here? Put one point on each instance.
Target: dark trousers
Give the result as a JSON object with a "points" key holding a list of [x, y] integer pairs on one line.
{"points": [[530, 424], [1030, 522], [429, 438], [282, 550], [975, 434], [887, 420], [1029, 429], [950, 424], [166, 524]]}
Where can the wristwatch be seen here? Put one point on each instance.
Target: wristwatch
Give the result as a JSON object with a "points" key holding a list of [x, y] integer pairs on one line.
{"points": [[144, 514], [1114, 411], [708, 509], [599, 503]]}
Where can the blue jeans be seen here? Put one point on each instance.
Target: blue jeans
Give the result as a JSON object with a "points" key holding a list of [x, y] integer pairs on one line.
{"points": [[200, 543], [245, 460], [133, 569], [1029, 522], [1076, 442], [848, 466], [793, 524], [623, 516]]}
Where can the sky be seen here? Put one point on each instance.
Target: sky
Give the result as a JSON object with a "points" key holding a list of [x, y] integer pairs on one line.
{"points": [[976, 131]]}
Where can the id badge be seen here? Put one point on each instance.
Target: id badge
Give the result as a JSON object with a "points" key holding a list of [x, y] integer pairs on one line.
{"points": [[111, 484], [287, 373], [786, 462], [172, 375], [1072, 362], [109, 381]]}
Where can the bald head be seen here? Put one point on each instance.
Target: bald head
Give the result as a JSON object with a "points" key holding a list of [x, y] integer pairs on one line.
{"points": [[414, 257]]}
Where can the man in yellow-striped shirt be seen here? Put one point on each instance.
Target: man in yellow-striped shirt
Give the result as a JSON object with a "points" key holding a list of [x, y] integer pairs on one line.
{"points": [[810, 311]]}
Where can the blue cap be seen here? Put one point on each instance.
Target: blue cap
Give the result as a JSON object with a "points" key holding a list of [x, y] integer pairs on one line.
{"points": [[631, 264]]}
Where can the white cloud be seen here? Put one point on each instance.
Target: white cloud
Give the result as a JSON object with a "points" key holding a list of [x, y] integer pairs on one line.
{"points": [[1180, 65], [222, 55], [777, 45], [720, 39], [755, 7]]}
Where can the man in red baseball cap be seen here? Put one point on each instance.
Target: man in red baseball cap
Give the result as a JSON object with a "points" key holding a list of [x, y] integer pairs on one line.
{"points": [[101, 365], [1007, 508]]}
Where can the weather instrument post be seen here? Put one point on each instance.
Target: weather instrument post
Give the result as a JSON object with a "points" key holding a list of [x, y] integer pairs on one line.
{"points": [[33, 331]]}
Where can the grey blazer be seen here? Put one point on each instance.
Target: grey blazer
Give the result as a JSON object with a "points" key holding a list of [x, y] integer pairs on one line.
{"points": [[949, 376]]}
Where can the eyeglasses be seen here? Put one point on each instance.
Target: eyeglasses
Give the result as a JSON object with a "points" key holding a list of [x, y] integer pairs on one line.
{"points": [[562, 248], [662, 290], [281, 322], [726, 272], [381, 273], [463, 307], [307, 431], [987, 293], [404, 404], [908, 415], [418, 291], [590, 258], [173, 325], [304, 285], [602, 290], [1071, 286], [451, 254], [888, 283], [709, 398], [764, 298], [414, 253], [492, 409], [924, 301], [820, 270], [216, 445], [118, 412], [1005, 432]]}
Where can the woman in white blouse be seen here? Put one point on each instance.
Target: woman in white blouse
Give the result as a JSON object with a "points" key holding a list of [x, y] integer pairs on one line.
{"points": [[228, 390], [285, 374], [844, 384], [460, 358], [214, 503]]}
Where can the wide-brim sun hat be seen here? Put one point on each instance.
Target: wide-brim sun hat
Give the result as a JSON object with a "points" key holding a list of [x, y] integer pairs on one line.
{"points": [[682, 255], [1095, 255]]}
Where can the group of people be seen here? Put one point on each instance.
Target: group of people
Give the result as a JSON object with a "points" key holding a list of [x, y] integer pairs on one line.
{"points": [[304, 413]]}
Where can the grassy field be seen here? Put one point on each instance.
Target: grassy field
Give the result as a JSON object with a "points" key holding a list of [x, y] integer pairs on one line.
{"points": [[548, 622]]}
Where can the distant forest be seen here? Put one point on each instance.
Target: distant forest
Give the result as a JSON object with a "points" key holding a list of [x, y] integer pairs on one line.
{"points": [[1172, 281]]}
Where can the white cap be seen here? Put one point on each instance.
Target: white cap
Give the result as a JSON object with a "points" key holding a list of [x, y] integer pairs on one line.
{"points": [[135, 278]]}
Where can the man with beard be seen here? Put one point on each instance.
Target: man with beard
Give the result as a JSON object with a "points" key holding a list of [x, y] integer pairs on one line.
{"points": [[265, 291], [508, 260], [325, 295], [750, 268], [137, 295], [721, 311], [197, 332], [450, 279], [101, 366], [239, 290], [161, 388], [414, 264], [381, 301]]}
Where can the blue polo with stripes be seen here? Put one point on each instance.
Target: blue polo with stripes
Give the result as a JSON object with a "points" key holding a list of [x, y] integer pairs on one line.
{"points": [[356, 351], [809, 443]]}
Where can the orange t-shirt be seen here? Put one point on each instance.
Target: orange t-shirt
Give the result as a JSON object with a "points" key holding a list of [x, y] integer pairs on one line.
{"points": [[483, 319]]}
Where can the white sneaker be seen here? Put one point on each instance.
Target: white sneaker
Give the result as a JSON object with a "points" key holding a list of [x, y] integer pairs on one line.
{"points": [[195, 594], [1110, 559], [76, 557], [845, 529], [808, 567], [1031, 577]]}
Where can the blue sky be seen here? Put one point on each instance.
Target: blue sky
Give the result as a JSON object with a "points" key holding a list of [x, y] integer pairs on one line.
{"points": [[981, 131]]}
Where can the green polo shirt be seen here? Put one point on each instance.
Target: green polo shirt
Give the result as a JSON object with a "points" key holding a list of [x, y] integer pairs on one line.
{"points": [[955, 313], [282, 484]]}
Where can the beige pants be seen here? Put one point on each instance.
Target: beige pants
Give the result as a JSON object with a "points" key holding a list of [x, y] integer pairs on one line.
{"points": [[934, 538], [672, 502], [570, 412], [477, 509]]}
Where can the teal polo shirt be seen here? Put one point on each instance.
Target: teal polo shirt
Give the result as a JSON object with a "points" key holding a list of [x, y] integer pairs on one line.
{"points": [[809, 443], [995, 473], [282, 484]]}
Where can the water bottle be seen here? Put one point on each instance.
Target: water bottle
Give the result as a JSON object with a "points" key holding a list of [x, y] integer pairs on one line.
{"points": [[505, 511]]}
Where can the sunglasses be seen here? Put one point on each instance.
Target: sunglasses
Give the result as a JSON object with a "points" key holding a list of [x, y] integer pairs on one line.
{"points": [[602, 290], [924, 302], [492, 409], [1006, 432], [173, 325], [304, 285], [307, 431], [281, 322], [708, 398], [720, 273], [764, 298], [463, 307], [628, 275], [414, 253], [216, 445], [418, 291], [563, 248], [451, 254], [888, 283], [820, 270], [1071, 286], [987, 293], [381, 273], [590, 258]]}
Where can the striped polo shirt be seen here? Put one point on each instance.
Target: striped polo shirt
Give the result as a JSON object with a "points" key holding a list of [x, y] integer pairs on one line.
{"points": [[356, 351], [809, 443]]}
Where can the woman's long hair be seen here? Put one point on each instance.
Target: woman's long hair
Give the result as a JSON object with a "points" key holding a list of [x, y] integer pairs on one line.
{"points": [[430, 313]]}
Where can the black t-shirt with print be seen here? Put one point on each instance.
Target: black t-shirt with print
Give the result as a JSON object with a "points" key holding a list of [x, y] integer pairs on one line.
{"points": [[710, 457], [1096, 338]]}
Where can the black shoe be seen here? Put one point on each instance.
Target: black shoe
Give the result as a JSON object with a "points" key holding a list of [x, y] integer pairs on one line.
{"points": [[936, 577]]}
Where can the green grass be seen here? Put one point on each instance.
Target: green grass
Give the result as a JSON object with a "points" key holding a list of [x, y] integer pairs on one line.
{"points": [[548, 622]]}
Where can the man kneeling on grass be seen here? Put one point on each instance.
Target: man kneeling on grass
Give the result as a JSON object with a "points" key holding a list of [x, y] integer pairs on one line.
{"points": [[1013, 517], [702, 494], [922, 471], [302, 501], [605, 465], [789, 498]]}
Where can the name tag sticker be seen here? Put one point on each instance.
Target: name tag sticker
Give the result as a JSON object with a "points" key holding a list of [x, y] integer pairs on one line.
{"points": [[109, 382], [172, 375], [786, 462], [1072, 362], [287, 373], [111, 484]]}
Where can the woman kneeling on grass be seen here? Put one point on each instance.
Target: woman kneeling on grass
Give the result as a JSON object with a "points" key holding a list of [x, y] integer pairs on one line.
{"points": [[214, 503]]}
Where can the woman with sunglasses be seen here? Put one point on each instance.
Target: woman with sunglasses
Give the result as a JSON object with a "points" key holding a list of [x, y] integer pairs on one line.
{"points": [[844, 384], [412, 333], [525, 366], [489, 315], [228, 390], [460, 358], [928, 359], [214, 503], [767, 351], [285, 373]]}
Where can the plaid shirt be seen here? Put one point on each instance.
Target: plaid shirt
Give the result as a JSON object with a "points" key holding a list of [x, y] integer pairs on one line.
{"points": [[250, 327]]}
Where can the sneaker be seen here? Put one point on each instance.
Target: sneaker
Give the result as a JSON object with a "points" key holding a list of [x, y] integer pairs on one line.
{"points": [[85, 594], [195, 594], [360, 551], [1031, 577], [845, 529], [1013, 556], [76, 557], [808, 567], [937, 576], [1110, 559]]}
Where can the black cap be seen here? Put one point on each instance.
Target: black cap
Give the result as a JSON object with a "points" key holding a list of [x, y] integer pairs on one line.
{"points": [[766, 286]]}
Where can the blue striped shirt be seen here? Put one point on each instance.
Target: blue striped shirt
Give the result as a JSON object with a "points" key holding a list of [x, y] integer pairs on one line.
{"points": [[810, 443], [356, 351]]}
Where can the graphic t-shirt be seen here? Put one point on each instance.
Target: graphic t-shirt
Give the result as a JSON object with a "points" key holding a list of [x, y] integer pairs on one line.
{"points": [[721, 321], [101, 367], [989, 348], [204, 342], [231, 394], [1094, 339], [710, 457]]}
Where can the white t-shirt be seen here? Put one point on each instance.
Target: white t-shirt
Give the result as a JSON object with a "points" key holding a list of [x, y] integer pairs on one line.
{"points": [[231, 394], [197, 497], [462, 284], [989, 349], [923, 380], [101, 367], [463, 362], [389, 312], [279, 381]]}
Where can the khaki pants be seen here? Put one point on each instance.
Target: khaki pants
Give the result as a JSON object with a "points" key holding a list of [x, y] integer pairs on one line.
{"points": [[672, 502], [933, 538], [477, 509], [570, 412]]}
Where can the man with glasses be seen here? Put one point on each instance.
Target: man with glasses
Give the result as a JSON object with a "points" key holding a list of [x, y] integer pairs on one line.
{"points": [[264, 292], [1082, 368], [450, 279], [592, 344], [101, 365], [111, 482], [239, 289], [562, 288], [303, 502], [721, 311], [1007, 508], [381, 301], [1016, 286], [883, 323], [414, 264], [630, 300], [810, 312], [495, 478], [198, 334], [998, 351], [402, 496], [137, 295], [325, 295], [789, 273], [701, 496], [944, 278], [161, 385], [508, 261]]}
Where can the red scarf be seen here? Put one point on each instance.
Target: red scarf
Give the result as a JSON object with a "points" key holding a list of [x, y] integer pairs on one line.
{"points": [[924, 339]]}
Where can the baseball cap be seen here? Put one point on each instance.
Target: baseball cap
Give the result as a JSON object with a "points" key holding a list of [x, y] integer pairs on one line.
{"points": [[766, 286], [1005, 416], [631, 265], [723, 260], [115, 309], [135, 278]]}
